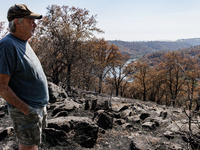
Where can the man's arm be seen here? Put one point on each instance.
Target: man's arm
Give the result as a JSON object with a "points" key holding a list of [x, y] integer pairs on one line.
{"points": [[8, 95]]}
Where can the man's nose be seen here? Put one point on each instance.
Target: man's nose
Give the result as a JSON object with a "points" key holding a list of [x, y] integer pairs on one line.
{"points": [[34, 24]]}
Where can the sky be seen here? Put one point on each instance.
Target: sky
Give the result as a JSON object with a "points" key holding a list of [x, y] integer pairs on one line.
{"points": [[130, 20]]}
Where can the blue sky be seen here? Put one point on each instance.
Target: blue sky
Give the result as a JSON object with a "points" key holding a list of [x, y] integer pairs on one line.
{"points": [[131, 20]]}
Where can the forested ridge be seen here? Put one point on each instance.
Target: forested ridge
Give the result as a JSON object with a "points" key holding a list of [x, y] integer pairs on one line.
{"points": [[193, 52], [138, 49]]}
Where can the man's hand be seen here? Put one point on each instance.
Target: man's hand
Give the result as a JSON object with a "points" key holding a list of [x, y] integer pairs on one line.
{"points": [[8, 95]]}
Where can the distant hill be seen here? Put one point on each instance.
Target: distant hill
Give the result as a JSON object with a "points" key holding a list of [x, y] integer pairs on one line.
{"points": [[138, 49], [193, 51], [192, 41], [157, 57]]}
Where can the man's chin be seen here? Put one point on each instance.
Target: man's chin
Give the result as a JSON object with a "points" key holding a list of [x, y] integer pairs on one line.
{"points": [[33, 32]]}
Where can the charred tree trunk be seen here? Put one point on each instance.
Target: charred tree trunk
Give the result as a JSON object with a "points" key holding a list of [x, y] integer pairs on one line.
{"points": [[69, 77]]}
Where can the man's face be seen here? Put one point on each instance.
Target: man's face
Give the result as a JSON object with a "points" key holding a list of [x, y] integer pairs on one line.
{"points": [[27, 28]]}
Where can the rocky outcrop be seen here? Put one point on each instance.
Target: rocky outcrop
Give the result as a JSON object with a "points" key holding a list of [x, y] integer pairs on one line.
{"points": [[56, 93], [84, 130], [87, 120]]}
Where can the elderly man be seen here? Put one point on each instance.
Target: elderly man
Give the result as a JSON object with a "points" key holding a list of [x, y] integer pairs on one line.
{"points": [[23, 83]]}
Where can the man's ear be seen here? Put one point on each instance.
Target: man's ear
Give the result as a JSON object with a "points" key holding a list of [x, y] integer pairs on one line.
{"points": [[16, 21]]}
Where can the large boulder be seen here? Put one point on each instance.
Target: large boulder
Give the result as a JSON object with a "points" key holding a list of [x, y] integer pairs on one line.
{"points": [[84, 130], [103, 119], [67, 105], [56, 93], [54, 136]]}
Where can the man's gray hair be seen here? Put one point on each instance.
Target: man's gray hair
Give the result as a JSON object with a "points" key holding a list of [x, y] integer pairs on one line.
{"points": [[12, 27]]}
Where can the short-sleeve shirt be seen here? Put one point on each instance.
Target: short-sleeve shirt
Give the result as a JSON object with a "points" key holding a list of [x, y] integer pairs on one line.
{"points": [[27, 79]]}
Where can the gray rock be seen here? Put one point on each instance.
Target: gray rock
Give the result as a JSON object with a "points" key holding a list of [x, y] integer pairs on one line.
{"points": [[143, 116], [67, 105], [2, 114], [163, 114], [103, 119], [169, 135], [6, 147], [127, 126], [173, 146], [149, 125], [56, 93], [120, 121], [134, 119], [5, 132], [61, 114], [142, 142], [120, 107], [54, 136], [126, 113], [84, 129]]}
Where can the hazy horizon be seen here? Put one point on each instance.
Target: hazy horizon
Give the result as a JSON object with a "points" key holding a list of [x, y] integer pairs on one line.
{"points": [[131, 20]]}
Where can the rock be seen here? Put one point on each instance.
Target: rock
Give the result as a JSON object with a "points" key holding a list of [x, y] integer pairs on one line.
{"points": [[127, 126], [163, 115], [56, 93], [7, 148], [2, 107], [169, 135], [134, 119], [5, 132], [176, 112], [75, 93], [156, 121], [172, 146], [126, 113], [178, 126], [120, 121], [103, 119], [61, 114], [2, 114], [149, 125], [138, 109], [120, 107], [116, 115], [143, 116], [140, 142], [133, 146], [68, 105], [85, 131], [54, 136]]}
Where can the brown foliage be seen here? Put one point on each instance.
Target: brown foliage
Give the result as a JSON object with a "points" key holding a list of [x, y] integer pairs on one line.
{"points": [[60, 38]]}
